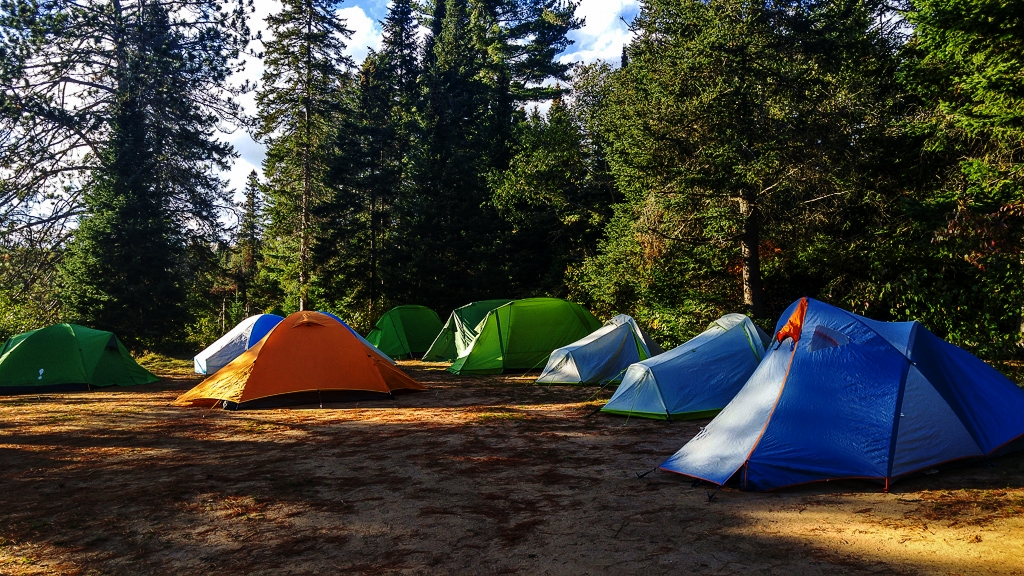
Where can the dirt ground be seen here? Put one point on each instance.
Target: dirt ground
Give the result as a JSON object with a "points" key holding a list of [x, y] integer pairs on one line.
{"points": [[487, 475]]}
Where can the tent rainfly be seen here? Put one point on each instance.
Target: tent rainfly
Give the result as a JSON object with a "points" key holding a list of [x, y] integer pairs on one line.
{"points": [[405, 331], [601, 356], [359, 337], [307, 358], [522, 334], [67, 357], [696, 379], [841, 396], [460, 330], [237, 340]]}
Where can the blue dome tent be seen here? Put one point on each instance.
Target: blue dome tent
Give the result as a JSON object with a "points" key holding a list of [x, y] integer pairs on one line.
{"points": [[841, 396], [237, 340]]}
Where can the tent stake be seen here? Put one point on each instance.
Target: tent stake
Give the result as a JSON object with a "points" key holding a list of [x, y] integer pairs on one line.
{"points": [[639, 475], [711, 495]]}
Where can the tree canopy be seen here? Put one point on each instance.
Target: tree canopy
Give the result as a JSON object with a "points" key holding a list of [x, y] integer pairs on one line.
{"points": [[740, 155]]}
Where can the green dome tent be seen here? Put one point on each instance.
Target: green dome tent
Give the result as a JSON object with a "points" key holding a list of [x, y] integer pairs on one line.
{"points": [[460, 330], [405, 331], [67, 357], [522, 334]]}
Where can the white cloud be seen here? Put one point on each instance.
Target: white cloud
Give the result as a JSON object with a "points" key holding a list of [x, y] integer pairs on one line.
{"points": [[604, 31], [366, 32]]}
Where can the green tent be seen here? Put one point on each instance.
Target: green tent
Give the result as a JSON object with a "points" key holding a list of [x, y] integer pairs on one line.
{"points": [[67, 357], [460, 330], [521, 335], [405, 331]]}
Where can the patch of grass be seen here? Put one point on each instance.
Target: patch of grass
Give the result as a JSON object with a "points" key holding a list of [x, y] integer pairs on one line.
{"points": [[58, 418], [971, 507], [501, 416], [255, 427], [166, 366]]}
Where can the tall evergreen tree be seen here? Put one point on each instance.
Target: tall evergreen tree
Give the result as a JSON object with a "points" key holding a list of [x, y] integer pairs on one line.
{"points": [[154, 183], [956, 265], [358, 246], [249, 243], [556, 196], [301, 101], [481, 58], [733, 116], [446, 222]]}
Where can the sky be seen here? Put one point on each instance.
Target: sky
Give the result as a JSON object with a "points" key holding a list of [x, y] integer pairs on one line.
{"points": [[603, 34]]}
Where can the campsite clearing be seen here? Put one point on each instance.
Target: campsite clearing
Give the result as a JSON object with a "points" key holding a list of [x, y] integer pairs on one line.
{"points": [[484, 474]]}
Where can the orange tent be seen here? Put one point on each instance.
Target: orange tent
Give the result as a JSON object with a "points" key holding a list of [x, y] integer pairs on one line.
{"points": [[310, 357]]}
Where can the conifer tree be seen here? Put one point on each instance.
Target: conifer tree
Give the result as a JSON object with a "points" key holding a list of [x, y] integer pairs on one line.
{"points": [[154, 186], [481, 59], [357, 248], [301, 103], [737, 129], [958, 269], [249, 243], [556, 196], [440, 218]]}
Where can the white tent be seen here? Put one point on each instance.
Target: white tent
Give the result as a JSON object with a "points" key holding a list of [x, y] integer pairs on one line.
{"points": [[237, 340], [696, 379], [603, 355]]}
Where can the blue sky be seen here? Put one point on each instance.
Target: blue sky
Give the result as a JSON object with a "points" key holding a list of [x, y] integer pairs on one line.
{"points": [[601, 38]]}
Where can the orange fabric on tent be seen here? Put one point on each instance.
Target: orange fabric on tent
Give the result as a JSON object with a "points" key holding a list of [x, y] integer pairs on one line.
{"points": [[795, 324], [306, 352]]}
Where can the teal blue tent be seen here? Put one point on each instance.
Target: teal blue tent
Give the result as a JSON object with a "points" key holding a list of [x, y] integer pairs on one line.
{"points": [[602, 356], [696, 379]]}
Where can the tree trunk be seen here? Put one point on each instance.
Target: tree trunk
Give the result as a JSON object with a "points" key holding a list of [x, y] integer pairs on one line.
{"points": [[306, 173], [750, 238]]}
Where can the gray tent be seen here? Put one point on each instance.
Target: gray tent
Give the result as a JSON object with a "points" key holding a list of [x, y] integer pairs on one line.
{"points": [[696, 379], [602, 356]]}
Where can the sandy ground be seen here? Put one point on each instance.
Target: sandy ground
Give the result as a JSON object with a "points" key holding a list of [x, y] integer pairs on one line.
{"points": [[488, 475]]}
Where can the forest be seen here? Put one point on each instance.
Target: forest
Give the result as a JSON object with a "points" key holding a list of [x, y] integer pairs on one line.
{"points": [[740, 155]]}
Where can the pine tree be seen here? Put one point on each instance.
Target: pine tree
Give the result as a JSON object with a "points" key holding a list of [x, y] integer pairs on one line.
{"points": [[952, 258], [111, 109], [738, 129], [481, 59], [358, 245], [301, 104], [249, 243], [444, 220], [124, 269], [557, 197]]}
